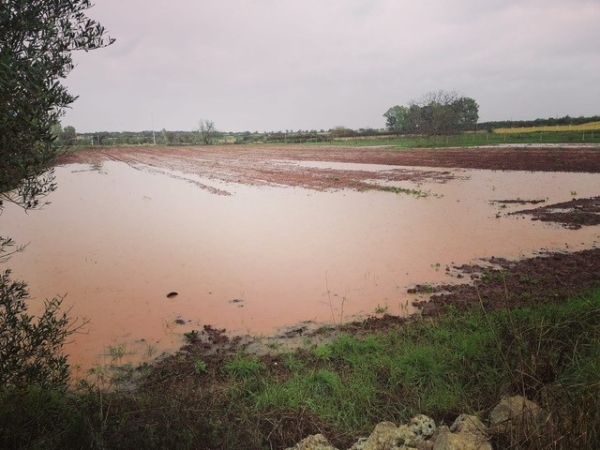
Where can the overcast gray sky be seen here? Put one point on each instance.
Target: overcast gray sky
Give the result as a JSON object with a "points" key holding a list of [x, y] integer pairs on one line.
{"points": [[269, 65]]}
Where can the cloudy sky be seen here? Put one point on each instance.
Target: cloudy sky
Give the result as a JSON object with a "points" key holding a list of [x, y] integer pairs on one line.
{"points": [[269, 65]]}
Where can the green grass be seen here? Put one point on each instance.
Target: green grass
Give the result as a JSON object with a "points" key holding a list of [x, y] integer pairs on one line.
{"points": [[414, 192], [243, 367], [461, 362], [472, 139]]}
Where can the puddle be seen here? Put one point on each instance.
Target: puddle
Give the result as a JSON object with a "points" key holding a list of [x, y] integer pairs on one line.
{"points": [[120, 240]]}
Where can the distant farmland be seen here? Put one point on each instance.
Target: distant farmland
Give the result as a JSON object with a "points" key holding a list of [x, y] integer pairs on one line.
{"points": [[590, 126]]}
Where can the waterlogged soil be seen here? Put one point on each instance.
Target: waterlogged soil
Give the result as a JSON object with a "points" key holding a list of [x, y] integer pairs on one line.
{"points": [[573, 214], [546, 278], [260, 165], [226, 260], [550, 276]]}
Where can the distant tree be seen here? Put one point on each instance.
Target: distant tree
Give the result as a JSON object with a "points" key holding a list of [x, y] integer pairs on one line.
{"points": [[341, 131], [206, 131], [402, 119], [101, 138], [467, 113], [68, 136], [163, 139], [444, 113], [172, 138], [435, 113]]}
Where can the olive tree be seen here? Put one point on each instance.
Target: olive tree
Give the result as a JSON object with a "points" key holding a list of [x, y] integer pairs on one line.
{"points": [[37, 38]]}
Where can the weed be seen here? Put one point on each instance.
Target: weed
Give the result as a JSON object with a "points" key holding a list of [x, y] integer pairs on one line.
{"points": [[192, 336], [323, 352], [528, 279], [331, 302], [325, 383], [200, 367], [116, 352], [493, 276], [292, 363], [243, 366], [414, 192], [273, 345], [381, 309], [451, 310], [150, 350], [427, 288]]}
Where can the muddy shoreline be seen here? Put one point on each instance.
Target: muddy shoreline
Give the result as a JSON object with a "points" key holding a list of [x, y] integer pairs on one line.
{"points": [[545, 278]]}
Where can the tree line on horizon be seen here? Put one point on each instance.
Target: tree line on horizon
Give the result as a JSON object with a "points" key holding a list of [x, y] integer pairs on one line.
{"points": [[69, 136], [436, 113]]}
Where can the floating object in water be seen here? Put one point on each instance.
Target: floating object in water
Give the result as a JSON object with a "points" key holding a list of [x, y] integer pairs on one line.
{"points": [[172, 294]]}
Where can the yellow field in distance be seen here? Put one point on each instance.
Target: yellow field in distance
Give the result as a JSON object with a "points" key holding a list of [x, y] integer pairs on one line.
{"points": [[590, 126]]}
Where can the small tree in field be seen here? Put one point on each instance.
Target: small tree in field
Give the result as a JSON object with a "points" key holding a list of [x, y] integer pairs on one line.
{"points": [[206, 131]]}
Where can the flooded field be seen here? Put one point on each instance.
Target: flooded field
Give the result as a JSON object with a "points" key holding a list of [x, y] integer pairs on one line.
{"points": [[119, 236]]}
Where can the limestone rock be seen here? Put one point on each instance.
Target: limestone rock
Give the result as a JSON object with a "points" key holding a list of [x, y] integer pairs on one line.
{"points": [[447, 440], [422, 426], [387, 436], [314, 442], [468, 424], [516, 411]]}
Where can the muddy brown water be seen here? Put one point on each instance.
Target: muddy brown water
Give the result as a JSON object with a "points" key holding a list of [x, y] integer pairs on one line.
{"points": [[118, 239]]}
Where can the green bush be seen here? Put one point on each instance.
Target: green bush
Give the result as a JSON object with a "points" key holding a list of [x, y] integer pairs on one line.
{"points": [[30, 347]]}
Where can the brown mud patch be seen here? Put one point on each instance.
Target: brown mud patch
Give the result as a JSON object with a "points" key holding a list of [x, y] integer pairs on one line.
{"points": [[545, 278], [270, 165], [573, 214], [255, 166]]}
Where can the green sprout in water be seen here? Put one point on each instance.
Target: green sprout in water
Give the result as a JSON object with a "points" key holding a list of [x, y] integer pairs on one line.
{"points": [[381, 309]]}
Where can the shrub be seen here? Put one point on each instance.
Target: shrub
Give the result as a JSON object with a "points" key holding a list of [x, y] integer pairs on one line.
{"points": [[31, 348]]}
